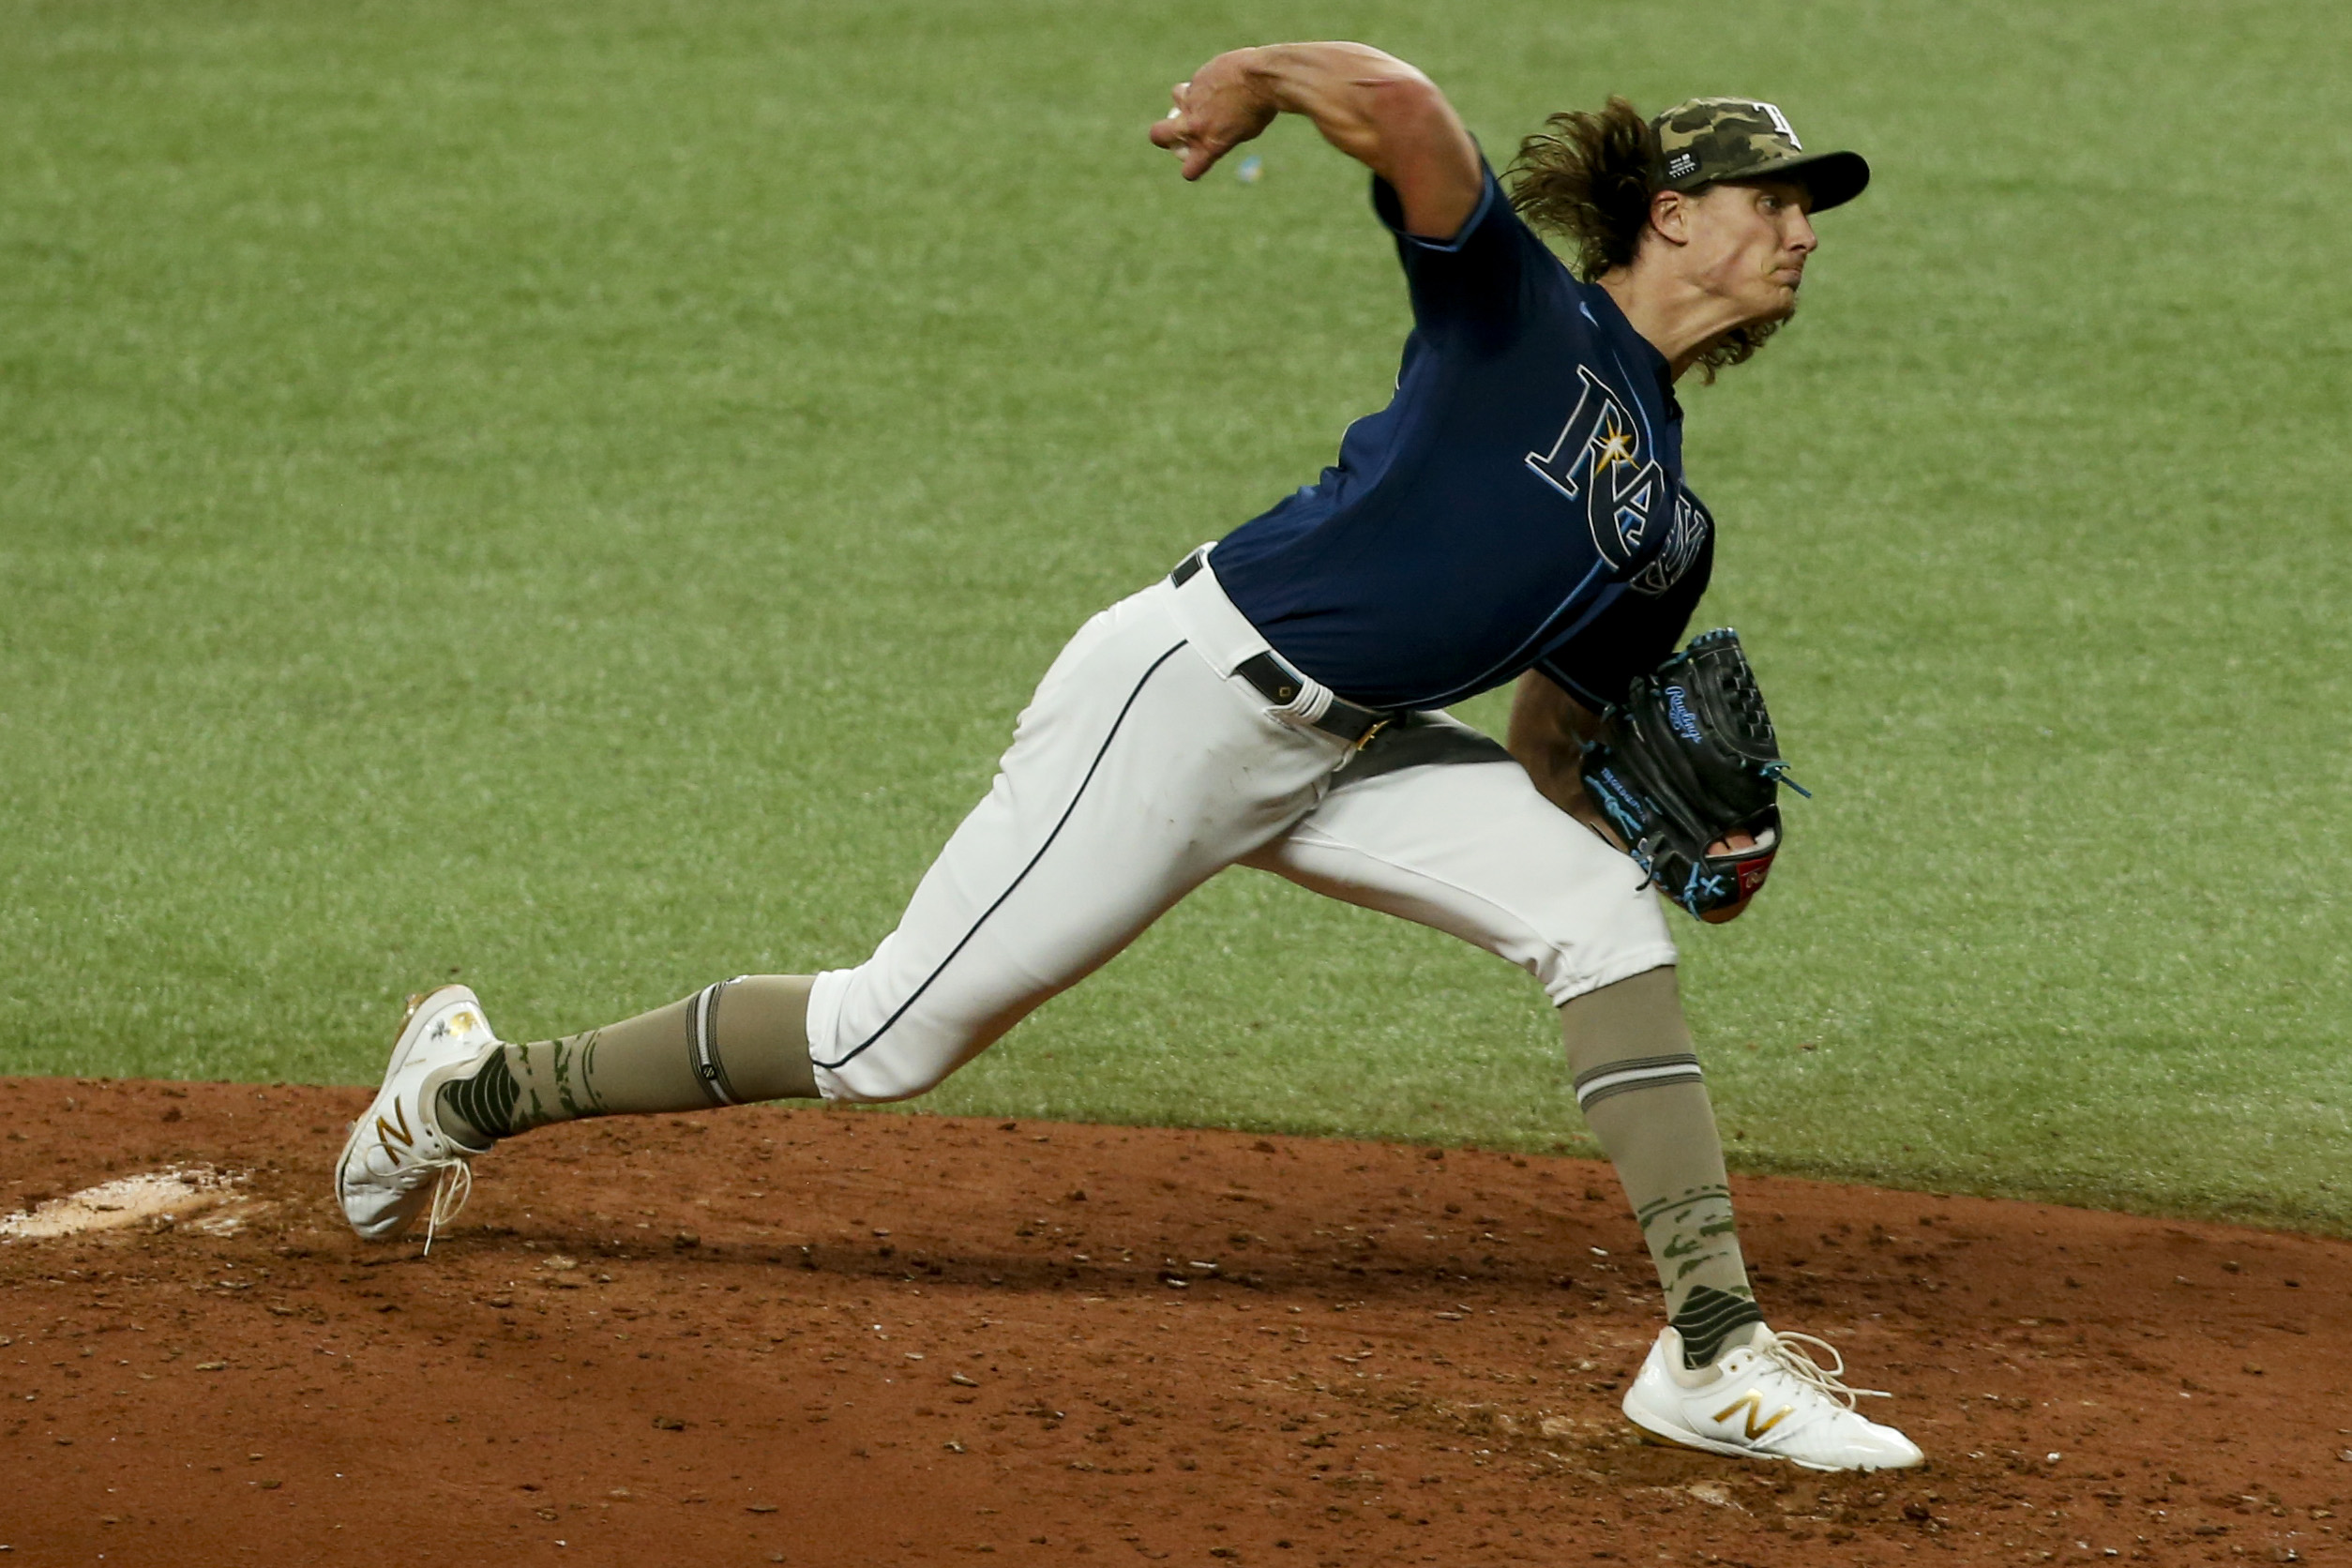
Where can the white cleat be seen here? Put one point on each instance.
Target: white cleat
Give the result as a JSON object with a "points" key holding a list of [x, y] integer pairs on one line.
{"points": [[1767, 1399], [398, 1163]]}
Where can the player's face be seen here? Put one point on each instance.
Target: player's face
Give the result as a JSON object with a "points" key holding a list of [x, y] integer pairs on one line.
{"points": [[1749, 243]]}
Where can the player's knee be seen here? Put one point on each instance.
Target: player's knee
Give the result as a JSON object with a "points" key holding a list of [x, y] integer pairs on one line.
{"points": [[866, 1051], [901, 1066], [1591, 926], [1573, 962], [878, 1083]]}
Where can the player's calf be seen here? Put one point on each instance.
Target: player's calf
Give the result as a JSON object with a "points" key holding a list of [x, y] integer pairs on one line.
{"points": [[453, 1087], [1639, 1085], [732, 1043]]}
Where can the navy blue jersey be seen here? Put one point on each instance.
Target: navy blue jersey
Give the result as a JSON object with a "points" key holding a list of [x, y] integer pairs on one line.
{"points": [[1518, 504]]}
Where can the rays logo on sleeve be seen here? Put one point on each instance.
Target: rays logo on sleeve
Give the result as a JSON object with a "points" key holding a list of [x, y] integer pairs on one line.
{"points": [[1641, 520]]}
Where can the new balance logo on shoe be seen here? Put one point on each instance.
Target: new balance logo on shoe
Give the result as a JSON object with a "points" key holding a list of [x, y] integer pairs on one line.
{"points": [[387, 1132], [1753, 1402]]}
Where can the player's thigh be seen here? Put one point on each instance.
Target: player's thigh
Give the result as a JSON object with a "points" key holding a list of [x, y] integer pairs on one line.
{"points": [[1460, 840], [1134, 773]]}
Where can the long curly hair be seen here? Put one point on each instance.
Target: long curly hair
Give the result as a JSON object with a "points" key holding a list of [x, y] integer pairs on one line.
{"points": [[1588, 179]]}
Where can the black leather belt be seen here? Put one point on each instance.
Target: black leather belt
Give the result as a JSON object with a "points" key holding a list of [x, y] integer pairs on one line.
{"points": [[1279, 683]]}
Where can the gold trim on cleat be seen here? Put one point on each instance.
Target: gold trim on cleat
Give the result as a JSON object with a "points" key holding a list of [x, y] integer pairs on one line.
{"points": [[1753, 1402], [387, 1132], [416, 1000]]}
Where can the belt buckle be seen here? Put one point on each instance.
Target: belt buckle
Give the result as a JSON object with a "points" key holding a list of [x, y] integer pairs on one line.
{"points": [[1370, 734]]}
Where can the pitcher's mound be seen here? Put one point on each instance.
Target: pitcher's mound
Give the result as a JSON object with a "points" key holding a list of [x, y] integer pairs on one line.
{"points": [[822, 1337]]}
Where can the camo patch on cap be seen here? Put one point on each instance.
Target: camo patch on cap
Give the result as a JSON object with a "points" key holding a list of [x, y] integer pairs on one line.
{"points": [[1709, 140]]}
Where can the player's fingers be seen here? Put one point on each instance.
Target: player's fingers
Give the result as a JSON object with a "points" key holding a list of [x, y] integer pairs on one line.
{"points": [[1731, 843], [1201, 156], [1169, 132]]}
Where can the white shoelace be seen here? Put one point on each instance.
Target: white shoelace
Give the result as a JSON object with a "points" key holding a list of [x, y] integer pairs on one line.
{"points": [[1784, 1351], [452, 1185]]}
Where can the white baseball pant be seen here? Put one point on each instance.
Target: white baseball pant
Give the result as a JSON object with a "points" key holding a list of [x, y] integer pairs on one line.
{"points": [[1143, 766]]}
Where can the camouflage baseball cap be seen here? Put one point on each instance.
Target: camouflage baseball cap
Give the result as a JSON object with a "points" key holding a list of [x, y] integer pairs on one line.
{"points": [[1710, 139]]}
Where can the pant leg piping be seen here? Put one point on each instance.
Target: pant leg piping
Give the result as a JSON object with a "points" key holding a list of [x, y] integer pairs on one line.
{"points": [[1091, 768]]}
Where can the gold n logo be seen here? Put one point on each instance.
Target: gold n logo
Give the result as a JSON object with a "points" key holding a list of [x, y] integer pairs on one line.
{"points": [[387, 1132], [1753, 1403]]}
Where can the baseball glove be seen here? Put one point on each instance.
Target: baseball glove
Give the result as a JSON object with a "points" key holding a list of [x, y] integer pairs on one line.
{"points": [[1686, 761]]}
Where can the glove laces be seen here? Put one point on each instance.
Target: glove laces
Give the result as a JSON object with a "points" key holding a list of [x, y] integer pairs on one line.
{"points": [[1786, 1351]]}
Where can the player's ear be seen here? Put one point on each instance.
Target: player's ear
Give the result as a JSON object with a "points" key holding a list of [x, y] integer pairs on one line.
{"points": [[1670, 216]]}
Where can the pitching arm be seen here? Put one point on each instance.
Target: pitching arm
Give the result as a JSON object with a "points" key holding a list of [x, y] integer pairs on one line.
{"points": [[1548, 731], [1374, 107]]}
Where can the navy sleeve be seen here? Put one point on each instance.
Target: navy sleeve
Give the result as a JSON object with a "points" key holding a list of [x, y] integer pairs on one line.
{"points": [[1631, 636], [1473, 286], [1550, 670]]}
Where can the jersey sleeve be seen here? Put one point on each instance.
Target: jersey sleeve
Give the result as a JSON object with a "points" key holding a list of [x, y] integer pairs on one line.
{"points": [[1632, 636], [1474, 286]]}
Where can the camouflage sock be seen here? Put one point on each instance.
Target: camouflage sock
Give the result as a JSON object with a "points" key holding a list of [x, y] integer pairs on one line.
{"points": [[1638, 1082], [669, 1059]]}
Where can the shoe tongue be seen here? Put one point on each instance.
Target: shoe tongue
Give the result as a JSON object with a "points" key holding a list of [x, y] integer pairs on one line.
{"points": [[1747, 1336], [1747, 1340]]}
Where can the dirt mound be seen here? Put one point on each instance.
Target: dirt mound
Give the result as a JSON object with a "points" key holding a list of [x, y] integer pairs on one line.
{"points": [[846, 1338]]}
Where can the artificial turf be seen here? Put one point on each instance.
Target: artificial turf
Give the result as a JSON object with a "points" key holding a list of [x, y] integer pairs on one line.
{"points": [[571, 495]]}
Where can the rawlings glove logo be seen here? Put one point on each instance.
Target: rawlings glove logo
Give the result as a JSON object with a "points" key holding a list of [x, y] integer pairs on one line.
{"points": [[1684, 722]]}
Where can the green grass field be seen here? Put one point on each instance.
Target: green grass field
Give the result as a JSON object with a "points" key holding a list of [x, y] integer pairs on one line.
{"points": [[572, 495]]}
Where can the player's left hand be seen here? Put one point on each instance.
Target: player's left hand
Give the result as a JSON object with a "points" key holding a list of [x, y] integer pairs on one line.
{"points": [[1592, 819], [1215, 112], [1732, 844]]}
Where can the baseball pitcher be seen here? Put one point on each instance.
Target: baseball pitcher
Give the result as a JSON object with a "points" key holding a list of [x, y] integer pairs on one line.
{"points": [[1518, 513]]}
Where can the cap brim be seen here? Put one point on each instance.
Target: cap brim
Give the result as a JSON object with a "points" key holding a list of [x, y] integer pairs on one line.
{"points": [[1834, 178]]}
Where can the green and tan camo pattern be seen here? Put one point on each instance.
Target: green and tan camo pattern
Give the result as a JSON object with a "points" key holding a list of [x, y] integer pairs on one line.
{"points": [[1712, 139]]}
